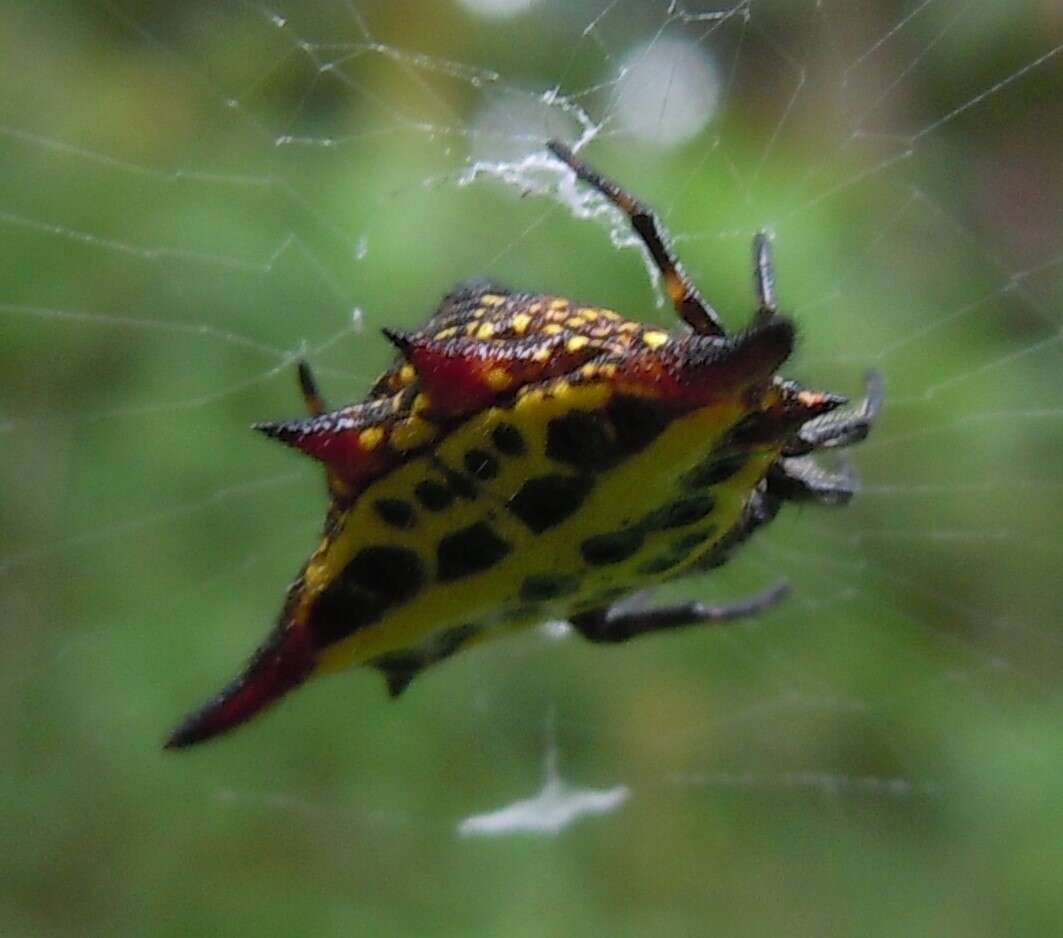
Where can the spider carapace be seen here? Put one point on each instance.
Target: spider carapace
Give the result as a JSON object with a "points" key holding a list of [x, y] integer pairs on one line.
{"points": [[530, 458]]}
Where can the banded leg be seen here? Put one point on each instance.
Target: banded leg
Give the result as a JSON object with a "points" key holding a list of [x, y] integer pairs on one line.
{"points": [[315, 406], [796, 477], [801, 479], [844, 427], [613, 624], [764, 277], [688, 302]]}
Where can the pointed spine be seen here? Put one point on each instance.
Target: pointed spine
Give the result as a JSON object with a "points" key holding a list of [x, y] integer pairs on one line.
{"points": [[284, 662]]}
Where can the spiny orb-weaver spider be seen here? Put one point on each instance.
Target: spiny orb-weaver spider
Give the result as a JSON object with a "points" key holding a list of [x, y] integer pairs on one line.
{"points": [[529, 458]]}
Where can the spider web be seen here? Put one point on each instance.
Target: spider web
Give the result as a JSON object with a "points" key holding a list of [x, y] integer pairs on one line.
{"points": [[195, 200]]}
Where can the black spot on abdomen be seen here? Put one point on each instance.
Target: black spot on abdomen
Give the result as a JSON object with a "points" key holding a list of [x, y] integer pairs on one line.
{"points": [[695, 539], [662, 563], [508, 440], [545, 501], [596, 440], [637, 422], [396, 512], [401, 667], [717, 468], [461, 485], [470, 550], [582, 438], [613, 547], [394, 573], [433, 495], [682, 512], [375, 580], [678, 551], [548, 586], [480, 464]]}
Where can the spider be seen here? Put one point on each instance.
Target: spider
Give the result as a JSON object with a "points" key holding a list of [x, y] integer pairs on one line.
{"points": [[528, 457]]}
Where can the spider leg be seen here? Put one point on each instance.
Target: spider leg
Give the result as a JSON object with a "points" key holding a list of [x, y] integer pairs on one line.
{"points": [[688, 302], [802, 479], [796, 477], [315, 405], [842, 428], [764, 276], [613, 624]]}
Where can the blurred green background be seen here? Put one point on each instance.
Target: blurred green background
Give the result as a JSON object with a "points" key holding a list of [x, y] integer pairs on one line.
{"points": [[192, 195]]}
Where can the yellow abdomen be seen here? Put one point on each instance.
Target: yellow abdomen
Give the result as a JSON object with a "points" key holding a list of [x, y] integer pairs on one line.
{"points": [[557, 504]]}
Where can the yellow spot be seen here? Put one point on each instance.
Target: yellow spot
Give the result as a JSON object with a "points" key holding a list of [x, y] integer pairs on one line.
{"points": [[628, 327], [478, 313], [412, 433], [608, 314], [492, 299], [558, 305], [655, 339], [576, 323], [608, 371], [551, 328], [521, 322], [589, 314], [420, 403], [589, 370], [577, 342], [541, 354], [535, 307], [498, 379], [485, 331], [447, 333], [371, 438], [406, 374]]}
